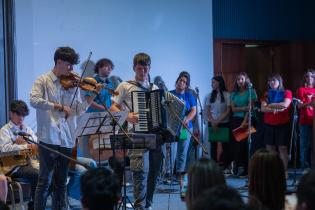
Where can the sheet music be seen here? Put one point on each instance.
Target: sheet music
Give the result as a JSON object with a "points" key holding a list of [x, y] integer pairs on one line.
{"points": [[89, 123]]}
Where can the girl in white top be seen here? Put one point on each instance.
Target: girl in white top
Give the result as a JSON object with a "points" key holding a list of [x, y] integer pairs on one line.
{"points": [[218, 109]]}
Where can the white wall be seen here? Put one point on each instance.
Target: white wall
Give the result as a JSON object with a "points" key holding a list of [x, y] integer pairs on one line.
{"points": [[177, 34]]}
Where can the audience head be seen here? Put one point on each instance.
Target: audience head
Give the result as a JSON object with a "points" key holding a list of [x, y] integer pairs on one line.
{"points": [[99, 188], [267, 183], [158, 81], [275, 81], [4, 206], [306, 192], [202, 175], [219, 198], [241, 82], [309, 78]]}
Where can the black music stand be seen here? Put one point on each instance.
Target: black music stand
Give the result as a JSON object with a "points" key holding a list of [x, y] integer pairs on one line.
{"points": [[132, 141], [100, 123]]}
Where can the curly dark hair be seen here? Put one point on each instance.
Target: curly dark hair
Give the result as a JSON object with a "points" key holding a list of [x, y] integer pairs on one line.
{"points": [[103, 62], [19, 107], [66, 54]]}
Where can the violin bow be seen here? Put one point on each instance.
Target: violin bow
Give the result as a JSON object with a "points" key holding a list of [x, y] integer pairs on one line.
{"points": [[77, 87]]}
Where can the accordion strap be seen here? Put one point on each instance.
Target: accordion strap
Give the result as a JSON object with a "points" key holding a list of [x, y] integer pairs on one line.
{"points": [[136, 83]]}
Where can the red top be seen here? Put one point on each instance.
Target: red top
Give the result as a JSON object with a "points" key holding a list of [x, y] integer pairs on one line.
{"points": [[278, 118], [305, 94]]}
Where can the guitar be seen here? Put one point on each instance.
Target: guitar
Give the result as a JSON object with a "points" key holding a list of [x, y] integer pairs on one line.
{"points": [[9, 160]]}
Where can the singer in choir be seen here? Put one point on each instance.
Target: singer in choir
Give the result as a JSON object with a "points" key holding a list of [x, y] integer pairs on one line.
{"points": [[181, 147], [276, 107], [12, 138], [306, 95], [243, 97], [145, 165], [218, 109], [193, 152]]}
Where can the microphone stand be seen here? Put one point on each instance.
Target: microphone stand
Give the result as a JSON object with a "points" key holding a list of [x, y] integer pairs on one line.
{"points": [[249, 139], [293, 140], [56, 152], [201, 119], [250, 87]]}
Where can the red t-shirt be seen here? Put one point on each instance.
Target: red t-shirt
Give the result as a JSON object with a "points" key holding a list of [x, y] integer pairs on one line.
{"points": [[305, 94], [278, 118]]}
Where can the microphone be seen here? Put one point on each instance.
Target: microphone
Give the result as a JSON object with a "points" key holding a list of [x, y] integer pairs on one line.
{"points": [[21, 133], [197, 90], [296, 100], [249, 84]]}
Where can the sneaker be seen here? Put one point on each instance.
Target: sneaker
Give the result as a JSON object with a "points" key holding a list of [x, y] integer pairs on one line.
{"points": [[227, 171], [234, 169], [306, 170], [242, 173]]}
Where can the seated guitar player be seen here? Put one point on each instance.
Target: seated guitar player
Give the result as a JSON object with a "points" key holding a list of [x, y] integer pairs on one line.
{"points": [[13, 145]]}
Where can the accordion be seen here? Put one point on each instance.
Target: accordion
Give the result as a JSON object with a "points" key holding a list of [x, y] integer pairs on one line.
{"points": [[159, 111]]}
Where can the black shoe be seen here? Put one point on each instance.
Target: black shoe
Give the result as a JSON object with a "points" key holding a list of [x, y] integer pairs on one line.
{"points": [[242, 173]]}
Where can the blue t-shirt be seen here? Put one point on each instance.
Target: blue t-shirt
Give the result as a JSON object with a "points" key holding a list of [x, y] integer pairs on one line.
{"points": [[104, 97], [190, 101]]}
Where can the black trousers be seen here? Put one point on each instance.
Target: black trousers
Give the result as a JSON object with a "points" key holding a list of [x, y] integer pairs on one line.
{"points": [[29, 174]]}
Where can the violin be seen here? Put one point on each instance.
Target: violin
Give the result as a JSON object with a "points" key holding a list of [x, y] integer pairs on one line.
{"points": [[88, 83]]}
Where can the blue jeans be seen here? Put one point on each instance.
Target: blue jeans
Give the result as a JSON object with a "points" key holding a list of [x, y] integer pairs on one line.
{"points": [[181, 151], [306, 136], [52, 165], [74, 182]]}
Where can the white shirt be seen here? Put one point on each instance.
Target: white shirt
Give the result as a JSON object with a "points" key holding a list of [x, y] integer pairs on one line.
{"points": [[217, 108], [52, 126], [8, 137], [124, 89]]}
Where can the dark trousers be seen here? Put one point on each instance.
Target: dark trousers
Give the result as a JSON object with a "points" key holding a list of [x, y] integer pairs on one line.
{"points": [[240, 149], [53, 168], [155, 161], [227, 155], [28, 173]]}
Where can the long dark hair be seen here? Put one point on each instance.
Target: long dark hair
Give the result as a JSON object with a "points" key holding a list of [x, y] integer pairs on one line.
{"points": [[202, 175], [267, 183], [222, 88]]}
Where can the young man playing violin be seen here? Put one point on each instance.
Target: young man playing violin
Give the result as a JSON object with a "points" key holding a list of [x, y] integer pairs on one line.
{"points": [[57, 109], [11, 143]]}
